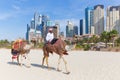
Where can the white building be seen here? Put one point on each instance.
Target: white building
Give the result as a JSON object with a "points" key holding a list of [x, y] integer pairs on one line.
{"points": [[92, 29], [69, 29], [98, 19], [31, 34], [113, 18]]}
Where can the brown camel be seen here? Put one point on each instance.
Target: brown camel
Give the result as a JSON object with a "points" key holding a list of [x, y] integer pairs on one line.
{"points": [[22, 51], [59, 48]]}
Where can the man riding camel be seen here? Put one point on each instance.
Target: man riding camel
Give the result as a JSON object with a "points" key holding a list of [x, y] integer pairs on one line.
{"points": [[50, 37]]}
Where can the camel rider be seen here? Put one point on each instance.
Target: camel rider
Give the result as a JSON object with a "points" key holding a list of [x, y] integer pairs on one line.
{"points": [[15, 48], [50, 37]]}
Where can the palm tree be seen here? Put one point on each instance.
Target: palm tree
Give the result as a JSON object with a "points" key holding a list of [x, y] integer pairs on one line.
{"points": [[113, 35], [105, 37], [94, 39]]}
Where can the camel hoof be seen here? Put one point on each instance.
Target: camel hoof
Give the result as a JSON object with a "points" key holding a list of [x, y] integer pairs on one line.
{"points": [[49, 68], [28, 66], [59, 70], [19, 64]]}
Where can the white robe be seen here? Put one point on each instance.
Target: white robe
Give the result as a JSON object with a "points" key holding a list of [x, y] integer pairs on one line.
{"points": [[49, 37]]}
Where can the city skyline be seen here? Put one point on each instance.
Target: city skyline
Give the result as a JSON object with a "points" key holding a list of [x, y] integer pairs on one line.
{"points": [[16, 14]]}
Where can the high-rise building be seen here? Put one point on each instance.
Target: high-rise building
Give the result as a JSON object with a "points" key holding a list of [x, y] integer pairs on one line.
{"points": [[31, 35], [27, 33], [99, 19], [89, 19], [38, 28], [32, 24], [49, 23], [69, 29], [113, 18], [82, 27], [36, 19], [75, 30], [44, 24], [40, 19]]}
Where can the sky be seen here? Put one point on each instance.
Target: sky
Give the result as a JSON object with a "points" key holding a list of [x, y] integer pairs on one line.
{"points": [[16, 14]]}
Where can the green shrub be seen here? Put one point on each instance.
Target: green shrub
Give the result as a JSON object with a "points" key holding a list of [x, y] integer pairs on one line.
{"points": [[8, 47], [86, 47], [40, 45], [78, 46]]}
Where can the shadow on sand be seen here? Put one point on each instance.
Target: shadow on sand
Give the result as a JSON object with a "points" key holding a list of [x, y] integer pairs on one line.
{"points": [[12, 63], [15, 63], [43, 67], [36, 65]]}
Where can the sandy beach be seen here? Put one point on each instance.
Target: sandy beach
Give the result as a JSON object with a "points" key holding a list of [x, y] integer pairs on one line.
{"points": [[83, 65]]}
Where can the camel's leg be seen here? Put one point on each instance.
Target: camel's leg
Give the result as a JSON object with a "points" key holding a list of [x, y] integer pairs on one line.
{"points": [[59, 63], [28, 60], [43, 61], [18, 60], [47, 62], [21, 59], [45, 57], [67, 72]]}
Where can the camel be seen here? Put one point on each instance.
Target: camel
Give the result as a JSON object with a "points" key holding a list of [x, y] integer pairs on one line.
{"points": [[22, 51], [59, 48]]}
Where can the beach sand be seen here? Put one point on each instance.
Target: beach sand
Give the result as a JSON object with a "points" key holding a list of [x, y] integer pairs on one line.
{"points": [[83, 65]]}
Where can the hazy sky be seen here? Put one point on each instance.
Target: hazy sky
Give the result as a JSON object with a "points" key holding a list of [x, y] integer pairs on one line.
{"points": [[16, 14]]}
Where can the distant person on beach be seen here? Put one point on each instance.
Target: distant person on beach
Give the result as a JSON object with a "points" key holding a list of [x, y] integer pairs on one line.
{"points": [[50, 37]]}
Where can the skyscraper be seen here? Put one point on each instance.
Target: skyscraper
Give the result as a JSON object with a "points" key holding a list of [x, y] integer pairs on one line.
{"points": [[44, 24], [82, 26], [36, 19], [75, 30], [32, 24], [69, 29], [88, 19], [40, 19], [27, 33], [99, 19], [113, 18], [36, 27]]}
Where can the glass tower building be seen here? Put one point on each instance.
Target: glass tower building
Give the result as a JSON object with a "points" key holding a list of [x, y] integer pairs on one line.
{"points": [[89, 19], [75, 30], [82, 26]]}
